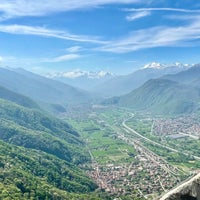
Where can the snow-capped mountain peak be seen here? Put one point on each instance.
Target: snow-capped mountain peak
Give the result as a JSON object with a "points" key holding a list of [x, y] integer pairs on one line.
{"points": [[154, 65], [101, 74], [181, 65], [80, 74], [82, 79]]}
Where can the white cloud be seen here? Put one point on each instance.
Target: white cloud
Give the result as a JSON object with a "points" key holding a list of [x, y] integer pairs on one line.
{"points": [[161, 9], [42, 31], [143, 12], [74, 49], [161, 36], [30, 62], [19, 8], [131, 61], [137, 15], [184, 17], [63, 58], [19, 61]]}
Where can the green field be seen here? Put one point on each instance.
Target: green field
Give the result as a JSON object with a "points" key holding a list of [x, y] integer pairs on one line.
{"points": [[103, 143]]}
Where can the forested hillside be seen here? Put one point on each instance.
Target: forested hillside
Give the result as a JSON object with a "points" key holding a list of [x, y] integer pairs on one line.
{"points": [[32, 174], [17, 98], [160, 96], [39, 154], [34, 129]]}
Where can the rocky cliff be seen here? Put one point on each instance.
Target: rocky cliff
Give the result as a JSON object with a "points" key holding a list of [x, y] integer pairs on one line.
{"points": [[189, 190]]}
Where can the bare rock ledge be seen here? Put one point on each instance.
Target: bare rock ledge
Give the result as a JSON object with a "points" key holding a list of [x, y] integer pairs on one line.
{"points": [[189, 190]]}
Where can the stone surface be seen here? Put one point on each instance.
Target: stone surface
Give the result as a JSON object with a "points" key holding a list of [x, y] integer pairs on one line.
{"points": [[189, 190]]}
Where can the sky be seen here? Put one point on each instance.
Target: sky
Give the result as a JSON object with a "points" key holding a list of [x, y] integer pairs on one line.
{"points": [[120, 36]]}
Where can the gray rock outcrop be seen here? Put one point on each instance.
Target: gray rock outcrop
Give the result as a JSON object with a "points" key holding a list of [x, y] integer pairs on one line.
{"points": [[189, 190]]}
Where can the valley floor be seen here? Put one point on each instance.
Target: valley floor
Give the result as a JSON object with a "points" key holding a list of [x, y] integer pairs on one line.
{"points": [[129, 158]]}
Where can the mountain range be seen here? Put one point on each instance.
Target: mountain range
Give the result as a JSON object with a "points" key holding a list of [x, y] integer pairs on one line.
{"points": [[139, 90], [170, 94], [41, 89], [155, 87], [121, 85], [107, 84], [86, 80]]}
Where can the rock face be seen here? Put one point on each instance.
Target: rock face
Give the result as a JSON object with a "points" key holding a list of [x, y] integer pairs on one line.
{"points": [[189, 190]]}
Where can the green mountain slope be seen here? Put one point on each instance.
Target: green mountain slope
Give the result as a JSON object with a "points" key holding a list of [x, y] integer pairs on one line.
{"points": [[30, 174], [33, 129], [161, 97], [189, 77], [17, 98], [39, 154], [121, 85]]}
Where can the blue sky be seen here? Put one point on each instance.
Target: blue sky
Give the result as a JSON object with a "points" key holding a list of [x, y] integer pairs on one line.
{"points": [[115, 35]]}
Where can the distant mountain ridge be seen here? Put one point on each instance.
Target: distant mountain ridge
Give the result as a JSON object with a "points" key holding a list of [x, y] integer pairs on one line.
{"points": [[189, 77], [156, 65], [124, 84], [82, 79], [41, 89], [170, 94], [17, 98]]}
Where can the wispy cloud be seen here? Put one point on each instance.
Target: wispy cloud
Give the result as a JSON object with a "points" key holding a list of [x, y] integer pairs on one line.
{"points": [[20, 8], [137, 15], [184, 17], [161, 36], [131, 61], [42, 31], [74, 49], [19, 61], [162, 9], [31, 61], [143, 12], [63, 58]]}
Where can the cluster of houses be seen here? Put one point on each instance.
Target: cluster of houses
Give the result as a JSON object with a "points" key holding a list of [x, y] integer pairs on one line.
{"points": [[179, 127], [147, 174]]}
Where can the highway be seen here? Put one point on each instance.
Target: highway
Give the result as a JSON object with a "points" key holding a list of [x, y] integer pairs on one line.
{"points": [[144, 151], [151, 141]]}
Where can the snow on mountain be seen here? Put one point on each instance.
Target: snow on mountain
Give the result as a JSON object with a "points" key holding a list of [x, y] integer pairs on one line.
{"points": [[156, 65], [82, 79], [181, 65], [124, 84], [81, 74], [106, 83]]}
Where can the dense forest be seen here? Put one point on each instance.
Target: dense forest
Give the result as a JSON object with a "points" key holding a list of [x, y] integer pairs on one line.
{"points": [[39, 154], [32, 174]]}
